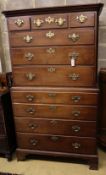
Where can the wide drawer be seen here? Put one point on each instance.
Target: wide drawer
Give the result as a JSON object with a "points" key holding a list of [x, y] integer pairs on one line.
{"points": [[54, 76], [54, 126], [82, 19], [49, 21], [53, 37], [55, 111], [57, 143], [54, 55], [19, 23], [56, 96]]}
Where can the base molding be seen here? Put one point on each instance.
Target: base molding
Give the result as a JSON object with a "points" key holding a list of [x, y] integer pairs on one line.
{"points": [[91, 160]]}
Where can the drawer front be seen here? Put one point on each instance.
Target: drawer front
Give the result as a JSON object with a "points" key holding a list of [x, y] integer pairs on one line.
{"points": [[82, 19], [53, 37], [58, 127], [55, 97], [49, 21], [2, 129], [54, 76], [57, 143], [19, 23], [54, 55], [55, 111]]}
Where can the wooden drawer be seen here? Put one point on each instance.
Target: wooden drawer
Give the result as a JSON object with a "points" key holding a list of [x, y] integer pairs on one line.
{"points": [[49, 21], [2, 129], [54, 76], [57, 143], [56, 96], [54, 55], [82, 19], [19, 23], [53, 37], [54, 126], [55, 111]]}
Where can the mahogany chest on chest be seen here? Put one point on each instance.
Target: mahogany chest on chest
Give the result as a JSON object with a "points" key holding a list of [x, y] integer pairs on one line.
{"points": [[54, 93]]}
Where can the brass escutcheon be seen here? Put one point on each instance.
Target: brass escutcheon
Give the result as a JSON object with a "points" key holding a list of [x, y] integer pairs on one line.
{"points": [[51, 69], [30, 110], [50, 34], [52, 95], [60, 21], [27, 38], [74, 37], [81, 18], [76, 99], [50, 50], [29, 56], [49, 20], [32, 126], [76, 128], [30, 76], [38, 22], [30, 98], [74, 76], [19, 22], [76, 145], [33, 142], [76, 113]]}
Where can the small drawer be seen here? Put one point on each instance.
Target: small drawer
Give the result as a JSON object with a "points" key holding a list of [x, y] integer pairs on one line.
{"points": [[19, 23], [53, 37], [57, 143], [57, 127], [82, 19], [80, 55], [57, 111], [54, 76], [49, 21], [56, 96]]}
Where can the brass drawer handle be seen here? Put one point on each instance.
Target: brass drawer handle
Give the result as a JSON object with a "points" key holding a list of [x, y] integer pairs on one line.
{"points": [[52, 95], [54, 138], [32, 126], [51, 69], [76, 99], [53, 122], [81, 18], [76, 128], [38, 22], [50, 50], [30, 110], [76, 113], [30, 76], [28, 39], [76, 145], [29, 56], [60, 21], [74, 37], [19, 22], [30, 98], [50, 34], [52, 107], [74, 76], [33, 142]]}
